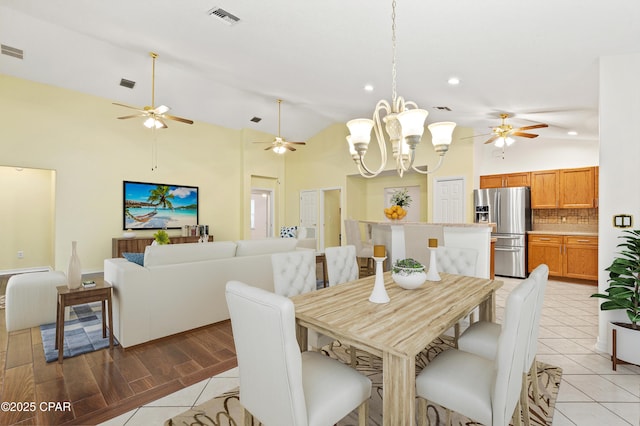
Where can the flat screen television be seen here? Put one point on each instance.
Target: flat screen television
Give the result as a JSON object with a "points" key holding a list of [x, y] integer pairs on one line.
{"points": [[158, 205]]}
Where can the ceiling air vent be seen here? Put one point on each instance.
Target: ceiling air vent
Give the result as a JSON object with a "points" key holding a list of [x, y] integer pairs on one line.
{"points": [[127, 83], [256, 119], [12, 51], [228, 18], [443, 108]]}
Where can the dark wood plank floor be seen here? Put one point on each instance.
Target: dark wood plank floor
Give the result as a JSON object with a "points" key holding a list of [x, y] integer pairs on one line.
{"points": [[104, 384]]}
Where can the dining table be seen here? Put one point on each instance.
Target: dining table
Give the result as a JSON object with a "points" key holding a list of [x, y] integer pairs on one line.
{"points": [[395, 331]]}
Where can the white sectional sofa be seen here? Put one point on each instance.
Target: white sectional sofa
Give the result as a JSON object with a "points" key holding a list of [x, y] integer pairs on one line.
{"points": [[181, 286]]}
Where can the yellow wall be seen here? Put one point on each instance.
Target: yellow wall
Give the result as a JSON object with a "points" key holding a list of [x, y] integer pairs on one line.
{"points": [[78, 136], [26, 218]]}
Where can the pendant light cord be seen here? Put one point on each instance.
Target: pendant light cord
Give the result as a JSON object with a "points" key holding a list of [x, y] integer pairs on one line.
{"points": [[393, 49]]}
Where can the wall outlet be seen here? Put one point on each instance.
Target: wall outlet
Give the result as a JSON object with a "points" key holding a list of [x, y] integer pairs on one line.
{"points": [[563, 219], [20, 254]]}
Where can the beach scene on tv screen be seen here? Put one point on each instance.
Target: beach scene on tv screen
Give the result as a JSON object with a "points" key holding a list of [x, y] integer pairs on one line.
{"points": [[157, 206]]}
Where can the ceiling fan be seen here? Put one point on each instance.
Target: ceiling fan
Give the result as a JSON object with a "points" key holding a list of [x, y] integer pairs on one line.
{"points": [[155, 116], [279, 145], [502, 134]]}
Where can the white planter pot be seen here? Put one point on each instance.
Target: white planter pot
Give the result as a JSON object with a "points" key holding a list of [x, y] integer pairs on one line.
{"points": [[627, 345]]}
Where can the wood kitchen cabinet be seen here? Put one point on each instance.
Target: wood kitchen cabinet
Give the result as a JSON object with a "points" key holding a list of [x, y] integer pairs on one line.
{"points": [[577, 188], [545, 249], [505, 180], [580, 257], [572, 256], [545, 186], [564, 188]]}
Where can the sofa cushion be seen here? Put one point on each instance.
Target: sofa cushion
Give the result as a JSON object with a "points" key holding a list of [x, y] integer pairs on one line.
{"points": [[266, 246], [170, 254], [134, 257]]}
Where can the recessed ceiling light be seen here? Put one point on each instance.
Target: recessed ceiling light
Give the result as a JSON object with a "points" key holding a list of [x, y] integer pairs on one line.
{"points": [[368, 88], [454, 81], [572, 133]]}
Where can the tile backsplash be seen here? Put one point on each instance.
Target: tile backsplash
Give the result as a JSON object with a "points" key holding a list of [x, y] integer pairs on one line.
{"points": [[565, 216], [565, 219]]}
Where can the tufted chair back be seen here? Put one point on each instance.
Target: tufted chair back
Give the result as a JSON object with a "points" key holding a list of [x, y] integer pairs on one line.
{"points": [[294, 272], [455, 260], [342, 265]]}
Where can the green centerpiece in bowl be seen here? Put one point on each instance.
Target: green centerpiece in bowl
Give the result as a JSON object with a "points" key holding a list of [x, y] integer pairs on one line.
{"points": [[408, 273]]}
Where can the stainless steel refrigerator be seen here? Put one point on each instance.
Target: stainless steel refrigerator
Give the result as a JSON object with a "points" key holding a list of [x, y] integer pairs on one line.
{"points": [[510, 210]]}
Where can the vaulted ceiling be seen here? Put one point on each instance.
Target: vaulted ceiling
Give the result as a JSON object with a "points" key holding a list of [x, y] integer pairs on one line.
{"points": [[535, 60]]}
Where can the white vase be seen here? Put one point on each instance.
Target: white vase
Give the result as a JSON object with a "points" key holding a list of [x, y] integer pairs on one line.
{"points": [[74, 272]]}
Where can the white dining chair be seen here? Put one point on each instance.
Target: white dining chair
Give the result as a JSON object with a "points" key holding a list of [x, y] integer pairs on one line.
{"points": [[342, 264], [460, 261], [364, 248], [279, 386], [482, 389], [294, 273], [482, 337]]}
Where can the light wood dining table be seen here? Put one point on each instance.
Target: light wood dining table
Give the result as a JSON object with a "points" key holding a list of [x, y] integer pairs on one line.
{"points": [[396, 331]]}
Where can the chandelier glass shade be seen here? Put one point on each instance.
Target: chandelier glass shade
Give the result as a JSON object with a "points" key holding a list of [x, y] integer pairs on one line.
{"points": [[403, 126]]}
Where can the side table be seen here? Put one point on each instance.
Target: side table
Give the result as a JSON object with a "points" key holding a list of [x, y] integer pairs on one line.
{"points": [[68, 297]]}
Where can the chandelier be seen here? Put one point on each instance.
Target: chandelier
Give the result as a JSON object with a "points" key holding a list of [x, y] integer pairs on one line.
{"points": [[404, 125]]}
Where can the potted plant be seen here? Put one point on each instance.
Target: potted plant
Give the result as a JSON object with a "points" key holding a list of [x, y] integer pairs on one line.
{"points": [[408, 273], [624, 293], [161, 237], [400, 201]]}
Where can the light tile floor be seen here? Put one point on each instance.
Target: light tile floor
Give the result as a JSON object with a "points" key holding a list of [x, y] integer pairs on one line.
{"points": [[591, 393]]}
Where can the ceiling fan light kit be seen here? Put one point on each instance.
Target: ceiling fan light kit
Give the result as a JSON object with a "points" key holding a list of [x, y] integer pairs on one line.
{"points": [[154, 116], [404, 126], [502, 134], [279, 145]]}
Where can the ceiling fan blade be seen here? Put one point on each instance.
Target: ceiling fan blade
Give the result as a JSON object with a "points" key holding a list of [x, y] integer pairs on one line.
{"points": [[476, 136], [161, 109], [124, 117], [173, 117], [535, 126], [491, 139], [524, 135], [261, 142], [268, 148], [290, 148], [297, 143], [161, 121], [128, 106]]}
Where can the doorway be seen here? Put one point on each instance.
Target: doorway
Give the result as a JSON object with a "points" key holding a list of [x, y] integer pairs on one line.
{"points": [[262, 209], [449, 200]]}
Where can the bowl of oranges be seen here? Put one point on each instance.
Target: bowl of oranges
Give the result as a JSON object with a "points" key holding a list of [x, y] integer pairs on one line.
{"points": [[395, 212]]}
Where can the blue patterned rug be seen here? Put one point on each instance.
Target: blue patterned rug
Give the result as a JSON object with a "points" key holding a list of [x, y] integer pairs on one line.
{"points": [[82, 333]]}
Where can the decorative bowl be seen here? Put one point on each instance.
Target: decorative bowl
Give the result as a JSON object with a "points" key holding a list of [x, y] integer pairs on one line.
{"points": [[409, 278], [129, 234]]}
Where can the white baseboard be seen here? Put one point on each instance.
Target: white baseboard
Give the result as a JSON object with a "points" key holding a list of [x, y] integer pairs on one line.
{"points": [[24, 270]]}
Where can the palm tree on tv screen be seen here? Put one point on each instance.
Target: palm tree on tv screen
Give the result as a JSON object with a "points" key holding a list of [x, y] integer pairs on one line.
{"points": [[161, 196]]}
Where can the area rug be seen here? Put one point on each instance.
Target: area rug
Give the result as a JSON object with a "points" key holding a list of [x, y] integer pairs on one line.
{"points": [[82, 333], [225, 409]]}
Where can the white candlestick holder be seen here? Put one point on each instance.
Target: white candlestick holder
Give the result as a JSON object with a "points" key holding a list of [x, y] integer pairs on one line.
{"points": [[379, 293], [432, 274]]}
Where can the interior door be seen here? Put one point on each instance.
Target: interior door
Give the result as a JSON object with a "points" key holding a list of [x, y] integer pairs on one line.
{"points": [[309, 210], [449, 200]]}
